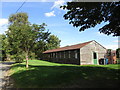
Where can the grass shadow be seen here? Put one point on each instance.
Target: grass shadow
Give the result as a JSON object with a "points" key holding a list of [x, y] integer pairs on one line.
{"points": [[65, 77]]}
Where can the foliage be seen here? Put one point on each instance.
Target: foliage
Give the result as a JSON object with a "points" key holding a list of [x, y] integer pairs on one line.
{"points": [[89, 14], [0, 47], [118, 61], [18, 19], [20, 35], [18, 58], [109, 52], [24, 40], [118, 53], [4, 47], [41, 38], [43, 74], [53, 42]]}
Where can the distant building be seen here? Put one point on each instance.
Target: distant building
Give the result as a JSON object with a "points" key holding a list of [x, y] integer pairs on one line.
{"points": [[84, 53], [111, 55]]}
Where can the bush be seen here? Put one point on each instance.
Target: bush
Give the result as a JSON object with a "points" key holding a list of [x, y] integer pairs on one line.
{"points": [[118, 60], [32, 56], [17, 58]]}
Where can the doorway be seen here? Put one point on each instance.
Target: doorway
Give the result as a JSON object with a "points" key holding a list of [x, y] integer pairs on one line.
{"points": [[95, 58]]}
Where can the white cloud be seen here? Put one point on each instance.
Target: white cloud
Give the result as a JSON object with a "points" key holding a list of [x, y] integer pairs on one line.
{"points": [[101, 34], [49, 14], [3, 25], [58, 3], [116, 41], [3, 21], [114, 47]]}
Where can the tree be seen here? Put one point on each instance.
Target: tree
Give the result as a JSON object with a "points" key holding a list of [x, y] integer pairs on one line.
{"points": [[25, 40], [4, 47], [109, 52], [40, 42], [118, 53], [53, 42], [0, 47], [20, 35], [89, 14]]}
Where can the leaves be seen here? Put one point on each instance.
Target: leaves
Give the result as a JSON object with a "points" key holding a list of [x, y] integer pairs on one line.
{"points": [[27, 40], [89, 14], [53, 42]]}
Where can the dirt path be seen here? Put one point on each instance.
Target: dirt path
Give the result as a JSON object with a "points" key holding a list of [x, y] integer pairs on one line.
{"points": [[4, 77]]}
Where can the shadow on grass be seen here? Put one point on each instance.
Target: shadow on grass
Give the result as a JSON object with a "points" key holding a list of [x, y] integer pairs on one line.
{"points": [[8, 63], [65, 77]]}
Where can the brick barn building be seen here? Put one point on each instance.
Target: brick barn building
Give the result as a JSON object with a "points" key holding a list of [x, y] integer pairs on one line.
{"points": [[84, 53], [111, 57]]}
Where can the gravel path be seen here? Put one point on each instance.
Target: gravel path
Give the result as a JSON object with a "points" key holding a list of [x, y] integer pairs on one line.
{"points": [[4, 77]]}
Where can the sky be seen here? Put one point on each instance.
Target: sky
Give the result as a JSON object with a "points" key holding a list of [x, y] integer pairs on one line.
{"points": [[52, 15]]}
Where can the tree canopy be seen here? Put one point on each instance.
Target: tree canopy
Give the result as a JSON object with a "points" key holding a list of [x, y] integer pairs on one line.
{"points": [[89, 14], [24, 40], [53, 42]]}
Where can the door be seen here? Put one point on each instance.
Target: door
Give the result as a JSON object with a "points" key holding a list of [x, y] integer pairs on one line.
{"points": [[95, 58]]}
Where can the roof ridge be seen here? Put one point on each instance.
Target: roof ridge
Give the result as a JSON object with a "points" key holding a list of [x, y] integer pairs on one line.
{"points": [[83, 43], [79, 43], [69, 47]]}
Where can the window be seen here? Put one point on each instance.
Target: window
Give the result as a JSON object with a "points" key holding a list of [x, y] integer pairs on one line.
{"points": [[94, 55], [64, 54], [69, 54], [53, 55], [50, 55], [60, 54], [56, 54], [76, 55], [113, 54]]}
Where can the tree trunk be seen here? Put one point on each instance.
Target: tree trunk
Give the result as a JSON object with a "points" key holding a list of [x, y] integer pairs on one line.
{"points": [[8, 57], [26, 60]]}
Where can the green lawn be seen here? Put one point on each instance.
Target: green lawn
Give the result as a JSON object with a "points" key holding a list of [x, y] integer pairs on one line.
{"points": [[43, 74]]}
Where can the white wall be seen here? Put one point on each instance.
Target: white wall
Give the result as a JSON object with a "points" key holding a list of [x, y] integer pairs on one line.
{"points": [[86, 52]]}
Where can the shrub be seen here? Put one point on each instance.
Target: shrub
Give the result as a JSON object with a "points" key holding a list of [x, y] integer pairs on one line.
{"points": [[118, 60], [18, 58]]}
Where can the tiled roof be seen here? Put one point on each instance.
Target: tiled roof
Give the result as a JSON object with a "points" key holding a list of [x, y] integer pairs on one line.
{"points": [[77, 46]]}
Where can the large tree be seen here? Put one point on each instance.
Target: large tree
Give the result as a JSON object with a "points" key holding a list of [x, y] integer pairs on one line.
{"points": [[24, 38], [89, 14], [20, 35], [40, 42]]}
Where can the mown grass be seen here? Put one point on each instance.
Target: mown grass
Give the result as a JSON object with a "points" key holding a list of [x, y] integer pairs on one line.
{"points": [[43, 74]]}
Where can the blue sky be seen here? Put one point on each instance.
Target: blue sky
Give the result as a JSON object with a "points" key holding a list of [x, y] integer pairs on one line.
{"points": [[52, 15]]}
